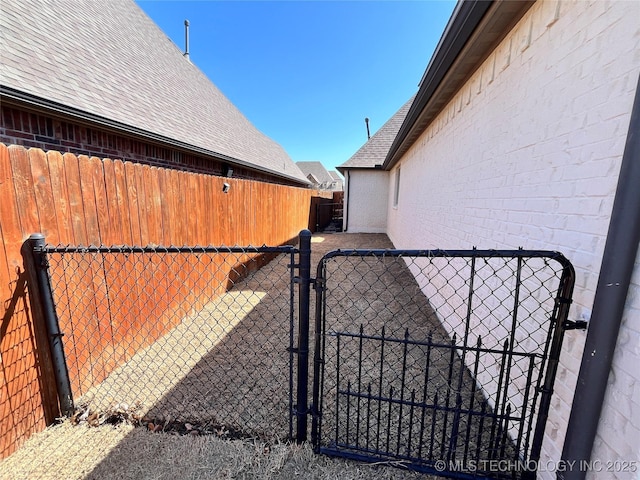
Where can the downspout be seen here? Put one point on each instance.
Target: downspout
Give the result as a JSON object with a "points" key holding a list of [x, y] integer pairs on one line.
{"points": [[608, 306], [346, 200]]}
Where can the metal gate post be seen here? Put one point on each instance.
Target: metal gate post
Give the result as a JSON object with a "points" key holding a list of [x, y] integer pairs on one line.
{"points": [[304, 281], [41, 292]]}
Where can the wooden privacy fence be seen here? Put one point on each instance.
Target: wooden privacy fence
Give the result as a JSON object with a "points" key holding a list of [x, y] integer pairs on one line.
{"points": [[90, 201]]}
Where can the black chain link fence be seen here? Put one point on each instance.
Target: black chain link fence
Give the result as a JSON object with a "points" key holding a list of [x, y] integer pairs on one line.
{"points": [[199, 336], [419, 357], [431, 357]]}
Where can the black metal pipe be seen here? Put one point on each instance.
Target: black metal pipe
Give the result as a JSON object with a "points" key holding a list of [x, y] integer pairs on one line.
{"points": [[60, 370], [304, 281], [347, 195], [186, 39], [608, 306]]}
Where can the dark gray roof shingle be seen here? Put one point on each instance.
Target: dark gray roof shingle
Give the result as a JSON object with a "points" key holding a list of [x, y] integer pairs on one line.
{"points": [[374, 151], [109, 59]]}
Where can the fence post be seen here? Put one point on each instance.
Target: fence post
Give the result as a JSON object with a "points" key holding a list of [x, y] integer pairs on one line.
{"points": [[41, 299], [304, 281]]}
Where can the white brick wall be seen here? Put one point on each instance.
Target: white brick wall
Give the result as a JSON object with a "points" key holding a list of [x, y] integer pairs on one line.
{"points": [[367, 201], [527, 154]]}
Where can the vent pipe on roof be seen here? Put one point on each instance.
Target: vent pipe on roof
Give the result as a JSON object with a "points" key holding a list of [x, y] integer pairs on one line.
{"points": [[366, 120], [186, 39]]}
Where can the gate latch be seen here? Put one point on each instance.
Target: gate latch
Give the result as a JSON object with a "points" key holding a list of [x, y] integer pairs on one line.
{"points": [[577, 325]]}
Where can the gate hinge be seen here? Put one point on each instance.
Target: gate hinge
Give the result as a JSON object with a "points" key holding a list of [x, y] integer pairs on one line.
{"points": [[298, 280], [577, 325], [319, 284]]}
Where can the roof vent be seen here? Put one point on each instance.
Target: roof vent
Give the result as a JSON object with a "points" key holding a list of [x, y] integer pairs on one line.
{"points": [[186, 39], [366, 120]]}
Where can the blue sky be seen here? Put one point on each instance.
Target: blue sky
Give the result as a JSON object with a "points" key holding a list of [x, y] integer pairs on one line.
{"points": [[307, 73]]}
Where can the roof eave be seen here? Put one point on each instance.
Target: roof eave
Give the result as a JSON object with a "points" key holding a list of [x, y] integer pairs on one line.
{"points": [[344, 168], [19, 98], [474, 29]]}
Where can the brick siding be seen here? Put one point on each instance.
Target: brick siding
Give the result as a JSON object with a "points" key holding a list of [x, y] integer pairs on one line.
{"points": [[19, 127], [528, 154]]}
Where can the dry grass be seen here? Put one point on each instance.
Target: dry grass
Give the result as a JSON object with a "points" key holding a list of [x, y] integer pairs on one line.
{"points": [[123, 452]]}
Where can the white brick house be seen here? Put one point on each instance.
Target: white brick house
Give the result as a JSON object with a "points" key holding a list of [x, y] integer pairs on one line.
{"points": [[366, 185], [516, 138]]}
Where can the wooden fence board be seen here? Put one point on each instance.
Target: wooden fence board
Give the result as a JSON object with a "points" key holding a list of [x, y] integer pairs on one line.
{"points": [[43, 195], [82, 201], [74, 193], [60, 198]]}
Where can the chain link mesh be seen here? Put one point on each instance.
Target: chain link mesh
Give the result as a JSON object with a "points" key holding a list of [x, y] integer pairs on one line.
{"points": [[429, 357], [198, 335]]}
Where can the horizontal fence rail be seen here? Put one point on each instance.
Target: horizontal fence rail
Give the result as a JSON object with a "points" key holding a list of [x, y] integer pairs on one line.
{"points": [[441, 361], [191, 335]]}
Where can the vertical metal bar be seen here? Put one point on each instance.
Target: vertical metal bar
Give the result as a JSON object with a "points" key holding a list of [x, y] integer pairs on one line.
{"points": [[346, 437], [337, 387], [521, 432], [467, 324], [413, 400], [380, 389], [483, 414], [359, 384], [476, 362], [402, 385], [512, 340], [368, 414], [496, 407], [45, 293], [505, 430], [557, 324], [389, 418], [318, 356], [304, 269], [424, 392], [291, 337], [433, 426], [455, 427], [452, 356]]}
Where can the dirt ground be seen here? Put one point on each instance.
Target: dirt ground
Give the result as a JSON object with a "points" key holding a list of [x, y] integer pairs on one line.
{"points": [[123, 452]]}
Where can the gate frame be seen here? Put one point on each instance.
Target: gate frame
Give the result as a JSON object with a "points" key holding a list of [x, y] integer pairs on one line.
{"points": [[558, 321]]}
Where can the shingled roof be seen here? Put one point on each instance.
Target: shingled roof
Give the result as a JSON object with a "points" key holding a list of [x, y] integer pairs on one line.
{"points": [[108, 61], [317, 170], [374, 151]]}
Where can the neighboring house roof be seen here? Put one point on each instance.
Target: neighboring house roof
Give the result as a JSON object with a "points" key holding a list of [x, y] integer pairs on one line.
{"points": [[313, 179], [108, 62], [317, 170], [335, 175], [473, 31], [374, 151]]}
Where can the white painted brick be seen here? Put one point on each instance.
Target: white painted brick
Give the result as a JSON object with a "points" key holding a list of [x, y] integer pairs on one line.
{"points": [[532, 160]]}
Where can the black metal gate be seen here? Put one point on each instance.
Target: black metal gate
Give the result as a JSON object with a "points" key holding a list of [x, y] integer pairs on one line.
{"points": [[439, 361]]}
